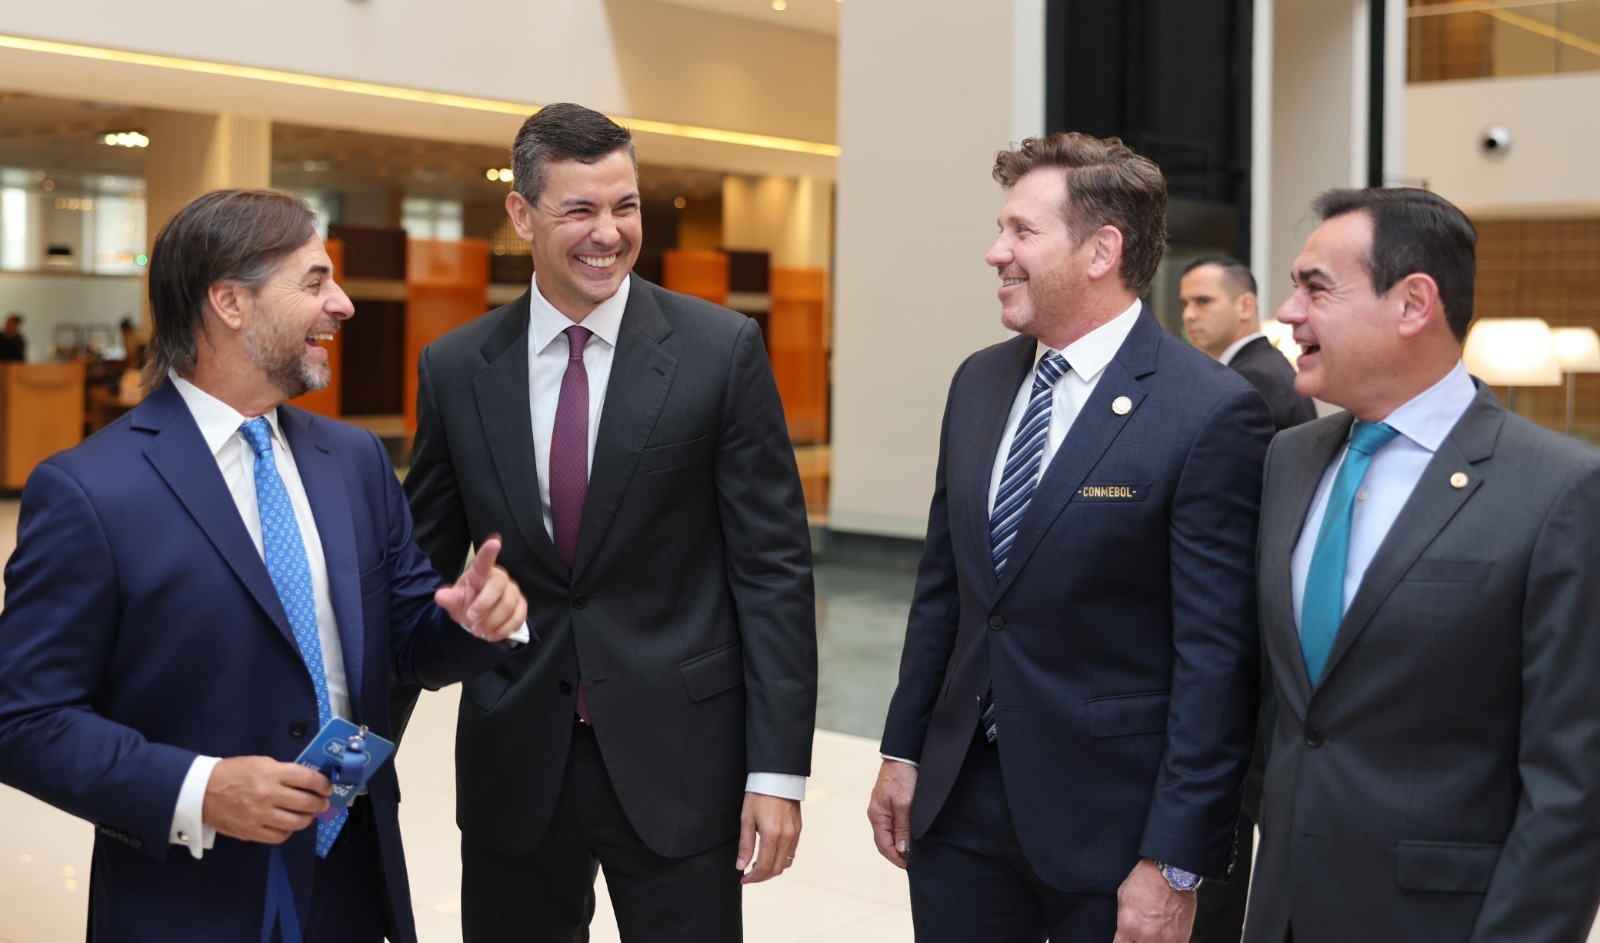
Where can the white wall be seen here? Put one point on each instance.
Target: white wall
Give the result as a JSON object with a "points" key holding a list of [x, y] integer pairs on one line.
{"points": [[924, 103], [47, 300], [1555, 135]]}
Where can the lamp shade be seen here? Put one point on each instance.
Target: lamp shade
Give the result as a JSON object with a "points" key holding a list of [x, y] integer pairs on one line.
{"points": [[1512, 352], [1578, 349]]}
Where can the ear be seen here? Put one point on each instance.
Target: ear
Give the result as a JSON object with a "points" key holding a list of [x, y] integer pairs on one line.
{"points": [[225, 300], [1417, 296], [1107, 259], [521, 215], [1247, 307]]}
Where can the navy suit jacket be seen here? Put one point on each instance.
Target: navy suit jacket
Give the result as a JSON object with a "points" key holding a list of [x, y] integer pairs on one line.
{"points": [[141, 629], [1121, 642]]}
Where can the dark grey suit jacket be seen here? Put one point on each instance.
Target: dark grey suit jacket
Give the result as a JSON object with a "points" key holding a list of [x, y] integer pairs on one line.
{"points": [[688, 613], [1270, 372], [1443, 781]]}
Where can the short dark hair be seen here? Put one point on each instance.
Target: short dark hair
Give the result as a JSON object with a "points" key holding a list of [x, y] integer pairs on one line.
{"points": [[1107, 185], [560, 132], [1415, 231], [226, 235], [1236, 275]]}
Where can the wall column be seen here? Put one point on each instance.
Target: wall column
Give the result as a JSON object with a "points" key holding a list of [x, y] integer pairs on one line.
{"points": [[192, 154], [924, 104]]}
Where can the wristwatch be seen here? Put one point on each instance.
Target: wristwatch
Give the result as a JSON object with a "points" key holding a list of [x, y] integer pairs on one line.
{"points": [[1179, 879]]}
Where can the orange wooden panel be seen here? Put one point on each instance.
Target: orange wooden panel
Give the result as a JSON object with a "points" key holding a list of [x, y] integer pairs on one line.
{"points": [[447, 285], [697, 272], [41, 413], [797, 339], [329, 400]]}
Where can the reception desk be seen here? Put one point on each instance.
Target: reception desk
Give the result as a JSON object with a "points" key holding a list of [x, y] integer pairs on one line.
{"points": [[41, 413]]}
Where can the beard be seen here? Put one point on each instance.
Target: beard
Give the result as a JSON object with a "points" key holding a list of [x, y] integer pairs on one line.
{"points": [[284, 359]]}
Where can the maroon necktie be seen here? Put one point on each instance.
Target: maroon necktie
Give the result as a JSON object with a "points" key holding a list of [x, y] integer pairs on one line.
{"points": [[569, 461]]}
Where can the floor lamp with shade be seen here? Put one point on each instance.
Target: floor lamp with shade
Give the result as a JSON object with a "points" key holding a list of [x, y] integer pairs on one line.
{"points": [[1512, 352], [1578, 349]]}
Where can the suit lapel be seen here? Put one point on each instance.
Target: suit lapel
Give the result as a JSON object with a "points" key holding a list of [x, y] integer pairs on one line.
{"points": [[323, 481], [1092, 432], [1295, 486], [501, 392], [179, 455], [1432, 504], [973, 447], [641, 374]]}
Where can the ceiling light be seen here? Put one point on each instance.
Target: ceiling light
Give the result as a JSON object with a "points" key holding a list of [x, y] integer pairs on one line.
{"points": [[125, 139], [780, 5], [680, 202]]}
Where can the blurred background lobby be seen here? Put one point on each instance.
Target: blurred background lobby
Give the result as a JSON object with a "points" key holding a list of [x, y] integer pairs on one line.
{"points": [[821, 165]]}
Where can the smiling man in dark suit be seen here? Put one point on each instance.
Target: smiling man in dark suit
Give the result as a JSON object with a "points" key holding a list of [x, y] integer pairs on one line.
{"points": [[1077, 696], [1430, 606], [629, 443], [202, 584]]}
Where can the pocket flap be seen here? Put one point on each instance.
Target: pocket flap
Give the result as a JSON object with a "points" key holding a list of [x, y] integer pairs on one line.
{"points": [[1459, 867], [1122, 715], [714, 672], [671, 455], [1449, 571]]}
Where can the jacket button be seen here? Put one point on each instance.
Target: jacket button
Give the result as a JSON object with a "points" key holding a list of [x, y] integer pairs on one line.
{"points": [[1313, 737], [297, 729], [566, 687], [579, 601], [996, 623]]}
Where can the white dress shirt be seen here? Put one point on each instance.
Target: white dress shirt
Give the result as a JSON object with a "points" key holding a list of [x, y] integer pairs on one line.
{"points": [[1088, 356], [219, 425], [1235, 347], [547, 364], [1423, 423]]}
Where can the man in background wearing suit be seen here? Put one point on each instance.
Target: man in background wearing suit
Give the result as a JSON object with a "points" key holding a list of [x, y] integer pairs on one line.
{"points": [[1219, 317], [630, 444], [1430, 604], [199, 587], [1077, 696]]}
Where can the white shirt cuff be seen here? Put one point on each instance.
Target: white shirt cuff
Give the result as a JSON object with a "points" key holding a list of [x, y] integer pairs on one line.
{"points": [[514, 641], [782, 785], [187, 828], [900, 759]]}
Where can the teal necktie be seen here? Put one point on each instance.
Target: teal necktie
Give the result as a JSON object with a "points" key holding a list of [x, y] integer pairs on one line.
{"points": [[285, 554], [1322, 608]]}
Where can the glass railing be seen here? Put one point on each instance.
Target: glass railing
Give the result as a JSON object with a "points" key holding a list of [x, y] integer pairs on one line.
{"points": [[1475, 39]]}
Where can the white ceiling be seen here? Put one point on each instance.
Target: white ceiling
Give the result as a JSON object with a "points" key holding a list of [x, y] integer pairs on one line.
{"points": [[815, 16]]}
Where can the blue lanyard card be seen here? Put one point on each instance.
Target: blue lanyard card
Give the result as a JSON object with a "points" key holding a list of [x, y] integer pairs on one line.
{"points": [[348, 755]]}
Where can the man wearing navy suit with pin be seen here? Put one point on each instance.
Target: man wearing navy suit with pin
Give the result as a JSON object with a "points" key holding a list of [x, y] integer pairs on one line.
{"points": [[202, 585], [1077, 697]]}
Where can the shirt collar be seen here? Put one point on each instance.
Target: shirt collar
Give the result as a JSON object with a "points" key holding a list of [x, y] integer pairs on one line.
{"points": [[1091, 353], [545, 323], [1428, 417], [217, 420], [1235, 347]]}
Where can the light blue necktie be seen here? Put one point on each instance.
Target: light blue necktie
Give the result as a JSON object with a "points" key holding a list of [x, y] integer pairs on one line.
{"points": [[1020, 476], [286, 560], [1322, 608]]}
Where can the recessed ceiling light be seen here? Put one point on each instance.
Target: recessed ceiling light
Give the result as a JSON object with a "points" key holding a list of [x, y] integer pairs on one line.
{"points": [[780, 5], [680, 202]]}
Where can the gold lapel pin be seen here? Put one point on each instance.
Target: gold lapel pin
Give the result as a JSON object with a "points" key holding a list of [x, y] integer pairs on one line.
{"points": [[1458, 480], [1121, 405]]}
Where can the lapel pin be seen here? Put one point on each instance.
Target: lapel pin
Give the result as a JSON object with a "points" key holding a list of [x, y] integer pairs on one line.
{"points": [[1458, 480], [1121, 405]]}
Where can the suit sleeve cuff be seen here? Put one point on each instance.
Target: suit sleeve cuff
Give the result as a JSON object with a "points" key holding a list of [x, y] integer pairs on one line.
{"points": [[187, 828], [782, 785]]}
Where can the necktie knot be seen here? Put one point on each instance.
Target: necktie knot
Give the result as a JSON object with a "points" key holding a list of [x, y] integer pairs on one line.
{"points": [[1052, 366], [577, 337], [1368, 437], [259, 434]]}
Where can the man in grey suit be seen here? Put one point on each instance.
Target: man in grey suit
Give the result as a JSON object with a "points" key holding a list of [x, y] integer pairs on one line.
{"points": [[1430, 605], [629, 443]]}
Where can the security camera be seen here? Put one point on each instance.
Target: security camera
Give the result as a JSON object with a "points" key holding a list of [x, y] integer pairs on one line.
{"points": [[1495, 140]]}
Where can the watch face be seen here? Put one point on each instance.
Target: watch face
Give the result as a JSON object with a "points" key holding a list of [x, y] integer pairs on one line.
{"points": [[1179, 879]]}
